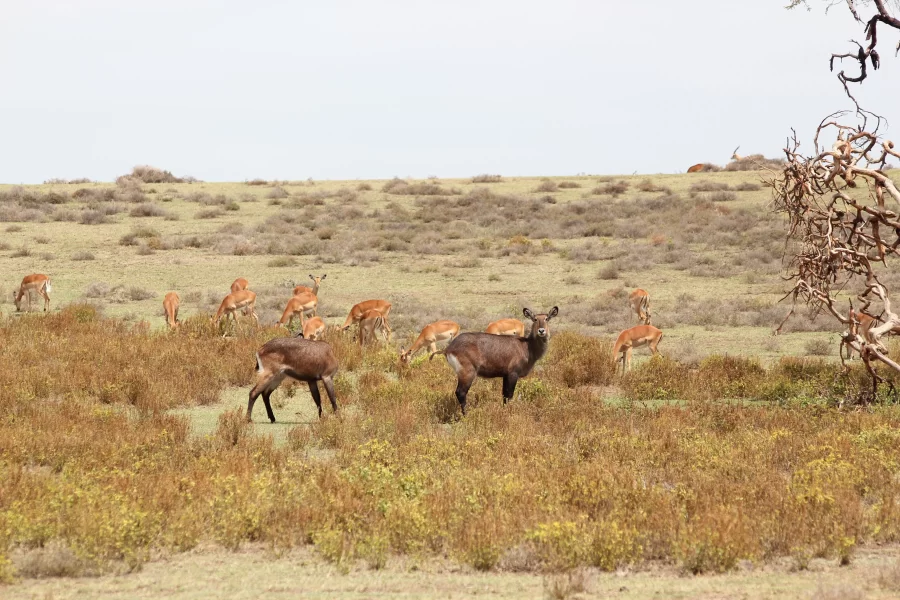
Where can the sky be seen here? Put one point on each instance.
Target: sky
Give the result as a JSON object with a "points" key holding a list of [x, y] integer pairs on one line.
{"points": [[358, 89]]}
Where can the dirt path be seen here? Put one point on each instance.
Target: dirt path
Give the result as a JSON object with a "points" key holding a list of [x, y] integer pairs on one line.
{"points": [[873, 574]]}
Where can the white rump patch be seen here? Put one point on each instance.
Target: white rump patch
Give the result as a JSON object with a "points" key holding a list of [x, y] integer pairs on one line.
{"points": [[259, 366], [454, 362], [49, 288]]}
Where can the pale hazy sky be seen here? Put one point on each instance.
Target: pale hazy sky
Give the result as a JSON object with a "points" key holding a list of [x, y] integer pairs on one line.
{"points": [[228, 91]]}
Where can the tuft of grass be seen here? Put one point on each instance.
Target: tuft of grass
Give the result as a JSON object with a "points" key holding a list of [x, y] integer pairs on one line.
{"points": [[819, 347], [83, 256], [282, 261], [546, 185]]}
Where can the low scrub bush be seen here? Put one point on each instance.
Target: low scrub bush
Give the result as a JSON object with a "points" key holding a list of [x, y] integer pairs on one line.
{"points": [[485, 178]]}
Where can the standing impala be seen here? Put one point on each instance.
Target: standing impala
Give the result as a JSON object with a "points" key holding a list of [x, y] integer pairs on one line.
{"points": [[312, 290], [36, 282], [170, 306], [297, 358], [506, 327], [303, 304], [482, 354], [371, 319], [244, 301], [639, 300], [431, 334], [240, 284], [641, 335], [358, 310]]}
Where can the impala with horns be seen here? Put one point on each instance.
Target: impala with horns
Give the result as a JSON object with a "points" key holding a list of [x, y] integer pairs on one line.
{"points": [[313, 329], [303, 304], [240, 284], [642, 335], [244, 301], [473, 355], [639, 301], [506, 327], [297, 358], [310, 290], [439, 331], [36, 282], [358, 310], [170, 306], [370, 321]]}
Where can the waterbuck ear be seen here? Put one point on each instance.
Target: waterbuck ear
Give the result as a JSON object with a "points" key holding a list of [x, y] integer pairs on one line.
{"points": [[527, 312], [553, 312]]}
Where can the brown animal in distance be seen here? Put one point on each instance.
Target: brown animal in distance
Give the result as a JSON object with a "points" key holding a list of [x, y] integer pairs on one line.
{"points": [[506, 327], [695, 168], [473, 355], [36, 282], [639, 301], [170, 306], [300, 289], [297, 358], [240, 284]]}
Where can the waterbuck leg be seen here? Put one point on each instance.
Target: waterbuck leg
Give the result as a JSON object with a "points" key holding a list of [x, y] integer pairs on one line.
{"points": [[463, 383], [268, 404], [509, 386], [314, 391], [328, 382]]}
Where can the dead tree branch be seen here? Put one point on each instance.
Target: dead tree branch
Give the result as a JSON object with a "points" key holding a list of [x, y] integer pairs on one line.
{"points": [[842, 231]]}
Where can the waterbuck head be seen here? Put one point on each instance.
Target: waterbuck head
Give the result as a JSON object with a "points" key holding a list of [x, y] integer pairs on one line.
{"points": [[540, 323]]}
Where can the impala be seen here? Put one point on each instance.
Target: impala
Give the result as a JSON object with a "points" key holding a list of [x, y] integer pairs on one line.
{"points": [[312, 290], [297, 358], [170, 306], [244, 300], [860, 325], [506, 327], [695, 168], [439, 331], [482, 354], [642, 335], [314, 329], [36, 282], [639, 300], [240, 284], [302, 304], [371, 319], [356, 313]]}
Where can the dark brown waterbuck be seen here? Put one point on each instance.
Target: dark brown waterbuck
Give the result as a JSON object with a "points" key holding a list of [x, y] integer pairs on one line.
{"points": [[486, 355], [297, 358]]}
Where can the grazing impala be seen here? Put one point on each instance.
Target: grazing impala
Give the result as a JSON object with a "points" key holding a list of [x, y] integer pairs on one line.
{"points": [[303, 304], [642, 335], [240, 284], [439, 331], [356, 313], [314, 329], [507, 327], [639, 300], [297, 358], [371, 319], [36, 282], [244, 300], [170, 306], [482, 354], [311, 290]]}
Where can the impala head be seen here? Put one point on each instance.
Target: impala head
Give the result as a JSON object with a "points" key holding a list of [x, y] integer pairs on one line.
{"points": [[734, 155], [318, 280], [541, 322], [404, 355]]}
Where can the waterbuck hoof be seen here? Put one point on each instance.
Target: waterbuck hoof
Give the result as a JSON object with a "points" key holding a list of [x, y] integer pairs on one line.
{"points": [[271, 420]]}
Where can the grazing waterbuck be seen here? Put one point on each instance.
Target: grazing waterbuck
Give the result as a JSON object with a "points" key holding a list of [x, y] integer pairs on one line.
{"points": [[297, 358], [483, 354]]}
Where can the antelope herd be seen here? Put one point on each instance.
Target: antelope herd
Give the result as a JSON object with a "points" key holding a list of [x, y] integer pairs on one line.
{"points": [[502, 351]]}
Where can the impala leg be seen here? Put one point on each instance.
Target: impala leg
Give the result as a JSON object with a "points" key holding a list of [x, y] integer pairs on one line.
{"points": [[46, 300], [328, 382], [432, 348], [509, 386], [627, 360], [314, 392]]}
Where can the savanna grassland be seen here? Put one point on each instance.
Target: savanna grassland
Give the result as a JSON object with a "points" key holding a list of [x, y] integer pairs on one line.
{"points": [[123, 447]]}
